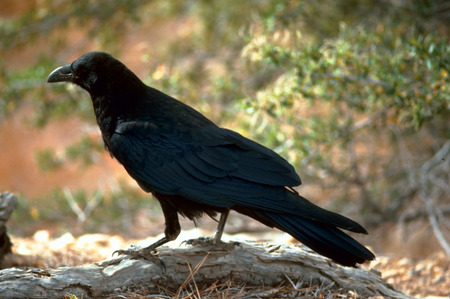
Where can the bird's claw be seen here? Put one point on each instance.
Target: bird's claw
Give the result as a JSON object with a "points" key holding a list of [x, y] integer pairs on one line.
{"points": [[130, 251], [210, 241], [136, 252]]}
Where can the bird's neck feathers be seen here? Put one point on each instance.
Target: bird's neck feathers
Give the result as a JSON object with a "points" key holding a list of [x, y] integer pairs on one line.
{"points": [[120, 94]]}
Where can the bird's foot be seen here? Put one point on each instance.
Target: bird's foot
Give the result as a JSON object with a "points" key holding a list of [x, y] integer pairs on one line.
{"points": [[211, 241], [147, 253]]}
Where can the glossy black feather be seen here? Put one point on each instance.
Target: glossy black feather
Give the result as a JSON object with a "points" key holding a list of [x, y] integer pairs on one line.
{"points": [[194, 167]]}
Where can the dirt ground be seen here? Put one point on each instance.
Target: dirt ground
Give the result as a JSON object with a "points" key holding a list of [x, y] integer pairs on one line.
{"points": [[420, 278]]}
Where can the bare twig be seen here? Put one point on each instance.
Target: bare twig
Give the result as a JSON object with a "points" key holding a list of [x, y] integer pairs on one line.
{"points": [[192, 274], [424, 193], [429, 188], [82, 214]]}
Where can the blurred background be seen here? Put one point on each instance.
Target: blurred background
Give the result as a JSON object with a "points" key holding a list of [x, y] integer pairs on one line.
{"points": [[355, 94]]}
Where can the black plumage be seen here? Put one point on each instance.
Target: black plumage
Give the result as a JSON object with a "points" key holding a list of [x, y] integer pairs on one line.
{"points": [[194, 167]]}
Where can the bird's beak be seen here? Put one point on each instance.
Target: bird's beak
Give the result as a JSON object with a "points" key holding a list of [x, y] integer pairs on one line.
{"points": [[62, 74]]}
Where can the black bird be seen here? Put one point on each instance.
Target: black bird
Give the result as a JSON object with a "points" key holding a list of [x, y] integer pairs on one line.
{"points": [[193, 167]]}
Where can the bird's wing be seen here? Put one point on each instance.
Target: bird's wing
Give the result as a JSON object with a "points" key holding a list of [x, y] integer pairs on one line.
{"points": [[215, 167], [211, 165]]}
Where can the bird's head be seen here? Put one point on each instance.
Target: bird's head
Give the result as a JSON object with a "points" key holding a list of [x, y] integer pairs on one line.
{"points": [[91, 71]]}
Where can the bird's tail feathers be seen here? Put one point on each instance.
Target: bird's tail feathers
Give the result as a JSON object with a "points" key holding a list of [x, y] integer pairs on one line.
{"points": [[311, 211], [323, 238]]}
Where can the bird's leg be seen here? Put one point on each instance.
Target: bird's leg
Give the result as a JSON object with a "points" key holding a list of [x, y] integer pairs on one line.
{"points": [[221, 227], [171, 232], [216, 239]]}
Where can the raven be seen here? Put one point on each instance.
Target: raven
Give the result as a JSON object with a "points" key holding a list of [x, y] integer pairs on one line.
{"points": [[193, 167]]}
